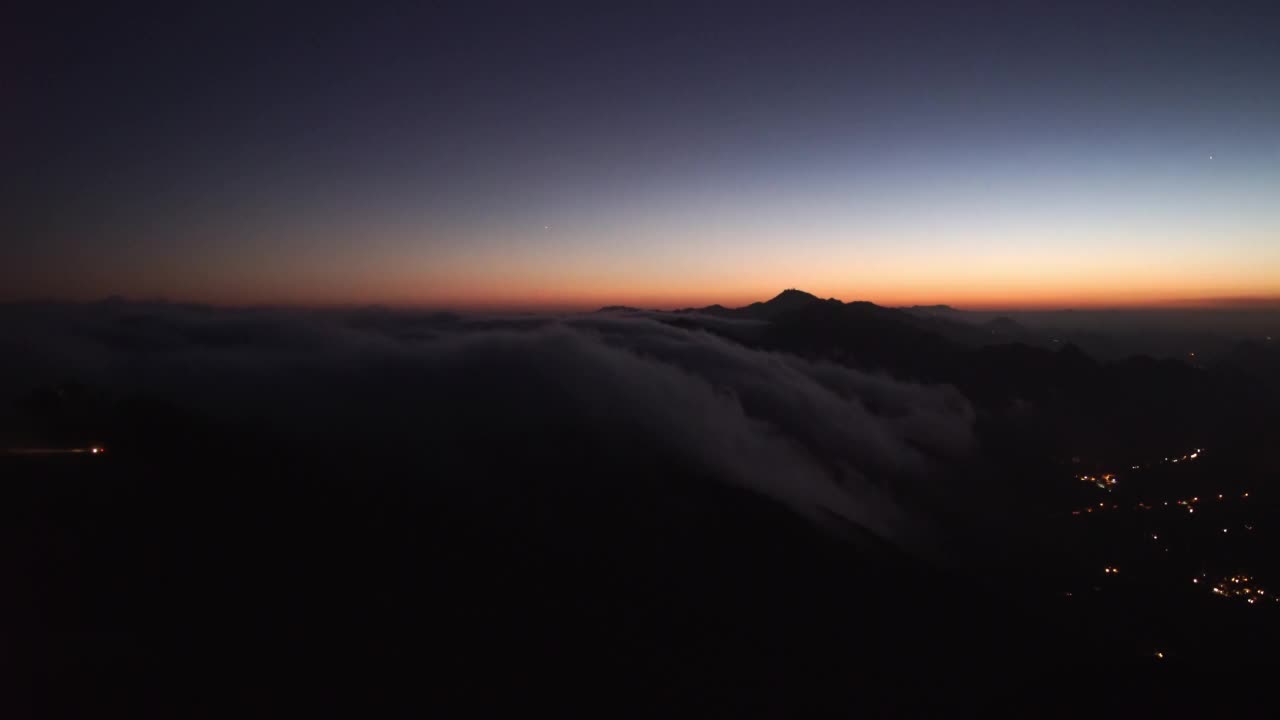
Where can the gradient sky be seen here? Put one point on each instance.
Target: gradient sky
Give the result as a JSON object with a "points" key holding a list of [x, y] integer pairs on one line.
{"points": [[1020, 154]]}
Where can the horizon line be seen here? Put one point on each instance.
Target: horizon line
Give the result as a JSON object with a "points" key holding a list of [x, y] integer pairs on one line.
{"points": [[545, 305]]}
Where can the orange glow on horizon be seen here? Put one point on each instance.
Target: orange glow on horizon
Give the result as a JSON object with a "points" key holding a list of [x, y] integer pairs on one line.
{"points": [[577, 288], [586, 299], [590, 293]]}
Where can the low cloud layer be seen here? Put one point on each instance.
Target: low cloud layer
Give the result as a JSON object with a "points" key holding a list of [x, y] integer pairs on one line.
{"points": [[830, 442]]}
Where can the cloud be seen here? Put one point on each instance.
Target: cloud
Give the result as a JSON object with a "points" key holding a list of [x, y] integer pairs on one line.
{"points": [[830, 442]]}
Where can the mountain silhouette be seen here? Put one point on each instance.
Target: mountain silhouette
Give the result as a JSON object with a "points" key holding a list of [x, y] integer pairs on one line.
{"points": [[1074, 400], [784, 302]]}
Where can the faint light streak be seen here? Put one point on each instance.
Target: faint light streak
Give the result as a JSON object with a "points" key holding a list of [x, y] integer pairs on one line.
{"points": [[92, 450]]}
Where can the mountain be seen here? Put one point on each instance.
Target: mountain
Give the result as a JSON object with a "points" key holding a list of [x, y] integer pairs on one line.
{"points": [[1057, 396], [784, 302], [858, 333]]}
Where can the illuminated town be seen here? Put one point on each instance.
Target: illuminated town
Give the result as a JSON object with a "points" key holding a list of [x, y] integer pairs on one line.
{"points": [[1241, 587], [1168, 524]]}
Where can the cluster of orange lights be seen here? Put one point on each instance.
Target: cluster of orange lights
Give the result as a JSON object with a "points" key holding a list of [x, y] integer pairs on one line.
{"points": [[1105, 481], [1193, 455], [1238, 587], [1189, 504], [1241, 587]]}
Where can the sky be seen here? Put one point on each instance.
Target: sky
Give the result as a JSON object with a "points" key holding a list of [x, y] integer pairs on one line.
{"points": [[553, 156]]}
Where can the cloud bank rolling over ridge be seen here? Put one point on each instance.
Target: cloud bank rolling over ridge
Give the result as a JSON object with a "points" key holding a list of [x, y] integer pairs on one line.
{"points": [[830, 442]]}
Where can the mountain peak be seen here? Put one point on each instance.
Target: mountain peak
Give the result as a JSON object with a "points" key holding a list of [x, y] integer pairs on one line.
{"points": [[785, 301], [791, 296]]}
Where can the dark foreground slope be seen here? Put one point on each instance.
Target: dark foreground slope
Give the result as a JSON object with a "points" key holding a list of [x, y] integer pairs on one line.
{"points": [[273, 580], [223, 575]]}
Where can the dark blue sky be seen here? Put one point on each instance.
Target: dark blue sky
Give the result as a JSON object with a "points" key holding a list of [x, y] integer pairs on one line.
{"points": [[554, 155]]}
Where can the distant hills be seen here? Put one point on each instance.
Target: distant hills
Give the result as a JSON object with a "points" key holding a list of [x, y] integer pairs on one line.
{"points": [[1035, 378], [1199, 336]]}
